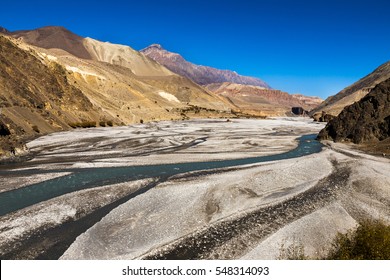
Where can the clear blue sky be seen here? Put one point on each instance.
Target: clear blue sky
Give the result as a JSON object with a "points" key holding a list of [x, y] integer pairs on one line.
{"points": [[310, 47]]}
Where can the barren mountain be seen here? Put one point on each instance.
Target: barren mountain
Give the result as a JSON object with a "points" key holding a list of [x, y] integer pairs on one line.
{"points": [[36, 97], [333, 105], [202, 75], [260, 101], [366, 121], [54, 37], [248, 95], [59, 38], [124, 56], [52, 79], [45, 90]]}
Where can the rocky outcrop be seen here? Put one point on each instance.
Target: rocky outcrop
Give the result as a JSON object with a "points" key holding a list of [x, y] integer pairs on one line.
{"points": [[201, 75], [364, 121], [323, 117]]}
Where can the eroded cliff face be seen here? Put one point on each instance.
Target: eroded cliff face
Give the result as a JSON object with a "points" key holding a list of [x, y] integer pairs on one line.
{"points": [[365, 121]]}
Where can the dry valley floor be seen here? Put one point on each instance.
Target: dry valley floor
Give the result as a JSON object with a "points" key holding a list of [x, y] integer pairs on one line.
{"points": [[248, 211]]}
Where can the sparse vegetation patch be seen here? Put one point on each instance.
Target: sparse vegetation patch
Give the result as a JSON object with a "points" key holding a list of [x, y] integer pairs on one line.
{"points": [[370, 241], [84, 124]]}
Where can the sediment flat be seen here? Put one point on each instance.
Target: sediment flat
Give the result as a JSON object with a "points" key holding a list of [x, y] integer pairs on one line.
{"points": [[248, 211]]}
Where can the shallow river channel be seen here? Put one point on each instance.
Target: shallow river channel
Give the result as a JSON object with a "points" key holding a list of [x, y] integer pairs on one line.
{"points": [[84, 178]]}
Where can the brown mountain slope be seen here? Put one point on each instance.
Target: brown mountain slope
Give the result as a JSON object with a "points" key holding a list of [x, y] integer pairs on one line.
{"points": [[45, 90], [59, 38], [57, 42], [201, 75], [54, 37], [366, 121], [36, 97], [260, 101], [308, 102], [335, 104], [117, 70], [131, 98]]}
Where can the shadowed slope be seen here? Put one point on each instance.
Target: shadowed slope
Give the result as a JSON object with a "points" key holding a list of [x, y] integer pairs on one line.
{"points": [[364, 121]]}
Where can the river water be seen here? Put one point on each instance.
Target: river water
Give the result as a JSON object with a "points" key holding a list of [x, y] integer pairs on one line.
{"points": [[93, 177]]}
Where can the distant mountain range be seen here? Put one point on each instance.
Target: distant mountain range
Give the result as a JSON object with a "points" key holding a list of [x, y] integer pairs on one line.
{"points": [[255, 100], [52, 79], [202, 75], [247, 94], [47, 86]]}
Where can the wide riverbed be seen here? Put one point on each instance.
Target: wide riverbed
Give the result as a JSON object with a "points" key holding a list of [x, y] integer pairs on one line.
{"points": [[147, 190]]}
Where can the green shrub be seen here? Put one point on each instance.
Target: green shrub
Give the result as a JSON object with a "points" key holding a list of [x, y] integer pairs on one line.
{"points": [[73, 125], [109, 123], [102, 123], [84, 124], [370, 241], [88, 124], [4, 131]]}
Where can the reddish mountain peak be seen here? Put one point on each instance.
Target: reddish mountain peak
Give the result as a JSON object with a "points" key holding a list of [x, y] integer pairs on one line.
{"points": [[155, 46], [202, 75], [156, 50]]}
